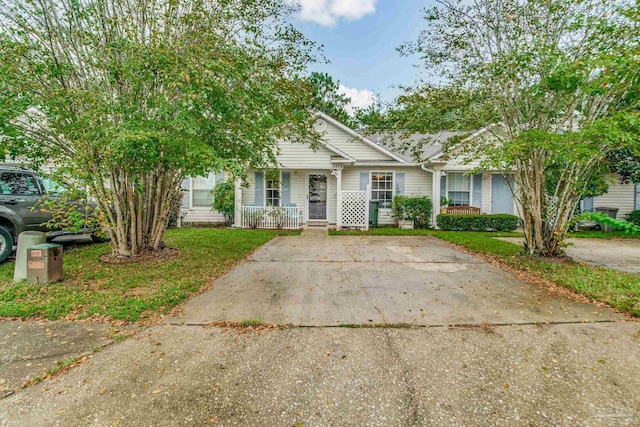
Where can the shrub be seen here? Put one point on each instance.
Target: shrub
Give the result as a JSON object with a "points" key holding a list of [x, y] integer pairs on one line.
{"points": [[416, 209], [223, 198], [634, 217], [469, 222]]}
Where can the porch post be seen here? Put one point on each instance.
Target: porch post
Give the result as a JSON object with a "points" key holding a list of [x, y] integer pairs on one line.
{"points": [[237, 201], [435, 183], [338, 173]]}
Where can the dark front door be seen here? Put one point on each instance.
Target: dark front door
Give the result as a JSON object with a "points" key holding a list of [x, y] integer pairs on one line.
{"points": [[318, 197]]}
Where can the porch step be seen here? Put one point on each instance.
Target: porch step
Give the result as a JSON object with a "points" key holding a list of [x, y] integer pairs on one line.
{"points": [[317, 223]]}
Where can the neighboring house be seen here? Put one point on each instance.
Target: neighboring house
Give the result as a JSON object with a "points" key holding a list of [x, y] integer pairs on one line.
{"points": [[197, 199], [624, 197]]}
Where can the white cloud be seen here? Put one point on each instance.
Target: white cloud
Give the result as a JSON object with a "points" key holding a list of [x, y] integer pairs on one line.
{"points": [[360, 98], [328, 12]]}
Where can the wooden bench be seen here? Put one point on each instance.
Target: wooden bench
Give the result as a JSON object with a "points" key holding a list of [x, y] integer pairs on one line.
{"points": [[463, 210]]}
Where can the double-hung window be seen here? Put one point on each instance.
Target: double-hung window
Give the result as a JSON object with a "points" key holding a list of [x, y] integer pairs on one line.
{"points": [[382, 188], [202, 187], [272, 188], [458, 189]]}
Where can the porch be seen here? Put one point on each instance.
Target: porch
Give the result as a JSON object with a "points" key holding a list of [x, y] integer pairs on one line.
{"points": [[295, 198]]}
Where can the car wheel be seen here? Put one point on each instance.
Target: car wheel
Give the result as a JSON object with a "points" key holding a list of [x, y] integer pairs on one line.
{"points": [[6, 243]]}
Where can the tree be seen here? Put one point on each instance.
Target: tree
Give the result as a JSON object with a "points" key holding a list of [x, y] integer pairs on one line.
{"points": [[328, 99], [548, 79], [128, 97]]}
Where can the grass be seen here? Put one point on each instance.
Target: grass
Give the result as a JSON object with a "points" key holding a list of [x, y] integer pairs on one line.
{"points": [[619, 290], [130, 292]]}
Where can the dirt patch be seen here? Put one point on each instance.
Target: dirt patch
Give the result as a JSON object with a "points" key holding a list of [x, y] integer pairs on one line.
{"points": [[247, 326], [148, 257]]}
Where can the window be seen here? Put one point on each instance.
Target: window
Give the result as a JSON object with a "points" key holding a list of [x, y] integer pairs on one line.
{"points": [[382, 188], [458, 189], [201, 188], [272, 188], [19, 184]]}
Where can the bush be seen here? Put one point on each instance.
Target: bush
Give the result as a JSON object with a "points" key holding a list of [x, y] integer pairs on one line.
{"points": [[634, 217], [416, 209], [469, 222], [223, 198]]}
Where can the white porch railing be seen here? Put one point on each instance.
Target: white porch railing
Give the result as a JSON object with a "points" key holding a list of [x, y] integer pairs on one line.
{"points": [[289, 218]]}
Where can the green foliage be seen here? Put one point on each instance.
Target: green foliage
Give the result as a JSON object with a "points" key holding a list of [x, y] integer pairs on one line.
{"points": [[416, 209], [471, 222], [224, 197], [634, 217], [551, 83], [127, 98], [443, 201], [617, 224], [131, 292], [328, 99]]}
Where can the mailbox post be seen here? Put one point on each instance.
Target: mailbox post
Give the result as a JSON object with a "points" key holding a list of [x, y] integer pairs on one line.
{"points": [[44, 263]]}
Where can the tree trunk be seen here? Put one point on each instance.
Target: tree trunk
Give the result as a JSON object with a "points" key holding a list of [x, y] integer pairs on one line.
{"points": [[138, 216], [547, 213]]}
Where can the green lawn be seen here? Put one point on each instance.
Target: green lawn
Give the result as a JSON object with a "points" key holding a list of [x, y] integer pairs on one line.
{"points": [[619, 290], [135, 291]]}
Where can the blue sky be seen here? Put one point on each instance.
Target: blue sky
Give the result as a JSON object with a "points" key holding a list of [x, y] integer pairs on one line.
{"points": [[360, 38]]}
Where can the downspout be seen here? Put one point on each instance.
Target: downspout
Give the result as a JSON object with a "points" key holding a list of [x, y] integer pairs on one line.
{"points": [[435, 191]]}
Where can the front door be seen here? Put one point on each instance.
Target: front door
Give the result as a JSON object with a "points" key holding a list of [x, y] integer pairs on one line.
{"points": [[317, 197], [501, 197]]}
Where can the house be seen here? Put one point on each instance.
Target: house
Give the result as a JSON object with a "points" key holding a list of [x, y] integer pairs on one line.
{"points": [[333, 184]]}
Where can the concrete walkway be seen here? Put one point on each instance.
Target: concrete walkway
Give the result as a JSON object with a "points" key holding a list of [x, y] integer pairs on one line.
{"points": [[338, 280], [584, 375]]}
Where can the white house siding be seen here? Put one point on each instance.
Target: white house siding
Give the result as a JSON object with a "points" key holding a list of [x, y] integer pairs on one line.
{"points": [[352, 146], [417, 182], [299, 190], [199, 214], [621, 196], [293, 155]]}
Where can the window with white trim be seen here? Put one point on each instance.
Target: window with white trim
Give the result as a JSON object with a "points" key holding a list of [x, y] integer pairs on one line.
{"points": [[458, 189], [201, 188], [272, 188], [382, 188]]}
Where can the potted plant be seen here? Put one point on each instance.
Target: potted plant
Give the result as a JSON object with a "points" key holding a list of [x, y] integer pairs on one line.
{"points": [[444, 203]]}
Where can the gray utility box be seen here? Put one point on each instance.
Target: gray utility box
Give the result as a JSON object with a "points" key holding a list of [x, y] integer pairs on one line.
{"points": [[44, 263]]}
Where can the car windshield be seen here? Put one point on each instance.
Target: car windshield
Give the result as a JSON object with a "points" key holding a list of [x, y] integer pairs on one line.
{"points": [[54, 188]]}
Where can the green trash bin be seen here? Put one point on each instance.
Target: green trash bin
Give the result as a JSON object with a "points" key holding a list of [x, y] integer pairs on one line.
{"points": [[374, 205]]}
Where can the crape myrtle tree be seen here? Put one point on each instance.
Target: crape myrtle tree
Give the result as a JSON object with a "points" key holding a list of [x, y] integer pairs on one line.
{"points": [[128, 97], [550, 80]]}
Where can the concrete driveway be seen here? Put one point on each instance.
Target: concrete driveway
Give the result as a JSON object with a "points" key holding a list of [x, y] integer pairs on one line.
{"points": [[518, 373], [338, 280]]}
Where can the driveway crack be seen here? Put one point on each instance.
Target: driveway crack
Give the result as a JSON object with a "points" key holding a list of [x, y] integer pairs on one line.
{"points": [[411, 400]]}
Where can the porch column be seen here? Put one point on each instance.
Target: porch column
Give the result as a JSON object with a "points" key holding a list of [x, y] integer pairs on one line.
{"points": [[237, 201], [435, 185], [337, 171]]}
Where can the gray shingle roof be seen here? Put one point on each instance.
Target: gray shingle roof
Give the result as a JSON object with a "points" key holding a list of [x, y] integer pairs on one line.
{"points": [[413, 147]]}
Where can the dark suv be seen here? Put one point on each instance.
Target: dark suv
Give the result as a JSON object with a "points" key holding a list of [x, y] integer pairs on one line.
{"points": [[20, 190]]}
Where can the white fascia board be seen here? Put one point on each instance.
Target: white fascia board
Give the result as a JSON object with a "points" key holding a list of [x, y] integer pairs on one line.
{"points": [[356, 135]]}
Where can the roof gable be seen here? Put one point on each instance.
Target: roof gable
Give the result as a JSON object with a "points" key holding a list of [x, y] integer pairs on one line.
{"points": [[353, 144]]}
